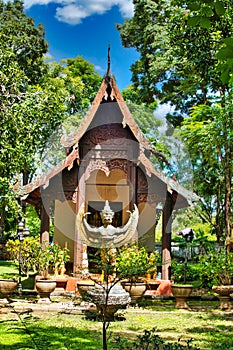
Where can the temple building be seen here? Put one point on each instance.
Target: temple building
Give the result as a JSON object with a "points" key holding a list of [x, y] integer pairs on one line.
{"points": [[107, 158]]}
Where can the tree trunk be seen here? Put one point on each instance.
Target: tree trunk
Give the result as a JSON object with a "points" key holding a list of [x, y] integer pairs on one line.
{"points": [[218, 222], [229, 232], [105, 345], [226, 163], [2, 219]]}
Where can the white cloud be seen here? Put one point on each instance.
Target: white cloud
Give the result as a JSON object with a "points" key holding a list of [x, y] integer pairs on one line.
{"points": [[99, 69], [71, 14], [74, 11]]}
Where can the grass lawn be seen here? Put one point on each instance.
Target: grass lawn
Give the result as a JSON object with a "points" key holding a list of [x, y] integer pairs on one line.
{"points": [[209, 327], [10, 269]]}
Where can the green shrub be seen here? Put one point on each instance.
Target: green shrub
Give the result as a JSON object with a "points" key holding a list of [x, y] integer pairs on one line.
{"points": [[133, 262], [29, 253], [193, 271], [216, 268], [36, 257]]}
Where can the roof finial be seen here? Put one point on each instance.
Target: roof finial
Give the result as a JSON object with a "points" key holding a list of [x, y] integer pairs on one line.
{"points": [[109, 60]]}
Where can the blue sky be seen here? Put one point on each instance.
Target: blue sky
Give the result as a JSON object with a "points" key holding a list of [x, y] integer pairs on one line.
{"points": [[85, 27]]}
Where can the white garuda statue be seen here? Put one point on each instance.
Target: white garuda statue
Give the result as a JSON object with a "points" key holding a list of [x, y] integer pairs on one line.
{"points": [[107, 235]]}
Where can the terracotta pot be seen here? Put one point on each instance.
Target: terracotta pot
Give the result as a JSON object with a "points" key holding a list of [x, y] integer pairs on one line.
{"points": [[224, 293], [61, 284], [181, 293], [44, 289], [7, 287], [135, 289]]}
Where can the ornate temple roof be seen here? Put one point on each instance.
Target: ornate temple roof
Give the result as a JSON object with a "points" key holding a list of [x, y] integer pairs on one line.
{"points": [[108, 94]]}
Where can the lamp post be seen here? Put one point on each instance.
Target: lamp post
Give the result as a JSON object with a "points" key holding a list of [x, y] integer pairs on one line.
{"points": [[22, 232]]}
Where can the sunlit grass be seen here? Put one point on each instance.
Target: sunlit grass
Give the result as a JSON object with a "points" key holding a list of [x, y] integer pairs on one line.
{"points": [[210, 328], [8, 269]]}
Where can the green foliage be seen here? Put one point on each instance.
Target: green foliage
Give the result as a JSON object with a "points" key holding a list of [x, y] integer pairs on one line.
{"points": [[50, 258], [36, 257], [149, 340], [178, 42], [208, 136], [80, 79], [29, 105], [186, 60], [193, 271], [60, 256], [21, 39], [134, 95], [32, 221], [204, 13], [216, 268], [133, 262], [36, 98], [29, 253]]}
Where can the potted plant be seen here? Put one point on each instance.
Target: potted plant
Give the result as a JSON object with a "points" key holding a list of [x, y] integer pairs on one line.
{"points": [[50, 259], [44, 259], [132, 263], [45, 284], [181, 292], [217, 271], [60, 257]]}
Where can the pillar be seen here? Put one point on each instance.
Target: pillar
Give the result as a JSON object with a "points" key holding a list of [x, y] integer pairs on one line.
{"points": [[79, 248], [166, 234], [45, 222]]}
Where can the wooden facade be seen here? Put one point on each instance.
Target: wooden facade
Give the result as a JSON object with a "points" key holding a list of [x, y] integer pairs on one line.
{"points": [[108, 158]]}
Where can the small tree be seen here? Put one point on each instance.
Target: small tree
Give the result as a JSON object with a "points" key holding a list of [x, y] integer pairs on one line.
{"points": [[128, 262]]}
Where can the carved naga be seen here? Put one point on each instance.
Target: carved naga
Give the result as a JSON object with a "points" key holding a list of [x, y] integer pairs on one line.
{"points": [[107, 235]]}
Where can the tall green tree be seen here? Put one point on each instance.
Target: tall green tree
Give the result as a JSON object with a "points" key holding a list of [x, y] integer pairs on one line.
{"points": [[209, 137], [13, 86], [178, 54], [81, 82], [25, 40], [33, 112], [80, 79], [186, 60], [30, 105]]}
